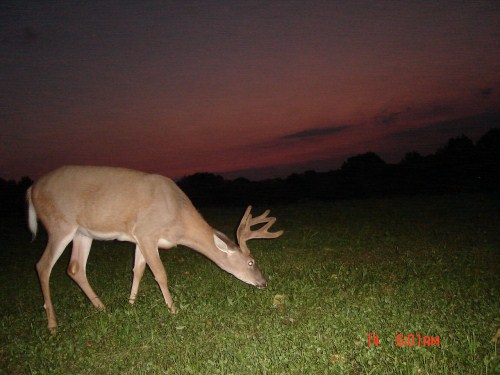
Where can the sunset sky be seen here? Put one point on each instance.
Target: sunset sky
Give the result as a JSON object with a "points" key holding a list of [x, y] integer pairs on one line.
{"points": [[256, 89]]}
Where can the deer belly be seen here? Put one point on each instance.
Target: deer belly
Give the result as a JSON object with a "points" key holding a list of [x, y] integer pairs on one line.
{"points": [[106, 236], [165, 244]]}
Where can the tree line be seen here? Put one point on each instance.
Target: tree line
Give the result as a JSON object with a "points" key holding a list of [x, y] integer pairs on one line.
{"points": [[459, 166]]}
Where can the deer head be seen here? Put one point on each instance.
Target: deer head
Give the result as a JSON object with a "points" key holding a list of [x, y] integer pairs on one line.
{"points": [[239, 261]]}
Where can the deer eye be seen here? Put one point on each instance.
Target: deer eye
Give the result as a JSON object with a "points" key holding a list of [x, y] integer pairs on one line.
{"points": [[250, 263]]}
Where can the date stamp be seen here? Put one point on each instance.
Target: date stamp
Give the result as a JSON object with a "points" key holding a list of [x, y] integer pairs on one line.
{"points": [[409, 340]]}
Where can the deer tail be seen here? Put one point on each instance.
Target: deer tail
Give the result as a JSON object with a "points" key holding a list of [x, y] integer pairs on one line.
{"points": [[32, 222]]}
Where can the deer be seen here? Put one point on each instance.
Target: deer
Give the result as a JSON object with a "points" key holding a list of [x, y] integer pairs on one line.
{"points": [[81, 203]]}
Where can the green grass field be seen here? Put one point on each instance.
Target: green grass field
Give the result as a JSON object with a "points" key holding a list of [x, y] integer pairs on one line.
{"points": [[424, 268]]}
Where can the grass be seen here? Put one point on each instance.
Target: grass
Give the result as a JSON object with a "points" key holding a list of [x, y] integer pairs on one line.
{"points": [[425, 266]]}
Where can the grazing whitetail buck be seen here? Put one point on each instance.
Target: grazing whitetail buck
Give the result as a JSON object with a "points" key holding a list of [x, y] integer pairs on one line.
{"points": [[82, 203]]}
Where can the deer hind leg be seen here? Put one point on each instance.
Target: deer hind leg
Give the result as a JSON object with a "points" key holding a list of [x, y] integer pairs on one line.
{"points": [[139, 266], [149, 250], [78, 266], [55, 246]]}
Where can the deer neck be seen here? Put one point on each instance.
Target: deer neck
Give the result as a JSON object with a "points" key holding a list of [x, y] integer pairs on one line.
{"points": [[199, 236]]}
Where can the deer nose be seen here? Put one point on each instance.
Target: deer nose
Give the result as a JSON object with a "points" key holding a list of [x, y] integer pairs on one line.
{"points": [[262, 285]]}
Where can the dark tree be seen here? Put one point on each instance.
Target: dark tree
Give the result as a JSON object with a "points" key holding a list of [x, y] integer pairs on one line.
{"points": [[364, 162], [488, 153], [204, 188]]}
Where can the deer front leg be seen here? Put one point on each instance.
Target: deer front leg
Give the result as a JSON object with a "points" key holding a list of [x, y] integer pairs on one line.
{"points": [[139, 266], [149, 250]]}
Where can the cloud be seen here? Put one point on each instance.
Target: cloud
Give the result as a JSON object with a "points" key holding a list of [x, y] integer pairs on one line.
{"points": [[486, 93], [435, 110], [469, 125], [30, 34], [421, 112], [387, 118], [315, 133]]}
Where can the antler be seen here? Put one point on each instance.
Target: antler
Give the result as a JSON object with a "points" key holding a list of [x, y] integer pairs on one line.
{"points": [[245, 233]]}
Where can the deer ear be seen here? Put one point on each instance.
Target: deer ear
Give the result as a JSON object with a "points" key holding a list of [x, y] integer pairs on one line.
{"points": [[221, 245]]}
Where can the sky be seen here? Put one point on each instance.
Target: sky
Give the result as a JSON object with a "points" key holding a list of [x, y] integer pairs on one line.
{"points": [[255, 89]]}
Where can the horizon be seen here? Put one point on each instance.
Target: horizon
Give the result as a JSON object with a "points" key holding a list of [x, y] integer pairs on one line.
{"points": [[234, 175]]}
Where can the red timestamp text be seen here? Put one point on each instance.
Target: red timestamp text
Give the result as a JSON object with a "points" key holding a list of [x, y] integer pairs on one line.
{"points": [[407, 340]]}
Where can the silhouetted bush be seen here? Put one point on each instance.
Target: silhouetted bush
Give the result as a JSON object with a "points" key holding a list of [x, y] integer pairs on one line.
{"points": [[12, 199]]}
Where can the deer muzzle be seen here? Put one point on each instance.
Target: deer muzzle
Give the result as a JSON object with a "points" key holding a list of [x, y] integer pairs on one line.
{"points": [[262, 285]]}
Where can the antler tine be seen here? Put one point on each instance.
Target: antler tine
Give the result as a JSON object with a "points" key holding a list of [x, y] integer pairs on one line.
{"points": [[245, 218], [245, 233]]}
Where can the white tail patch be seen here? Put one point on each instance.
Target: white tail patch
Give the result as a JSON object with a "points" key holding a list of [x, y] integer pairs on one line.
{"points": [[32, 222]]}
